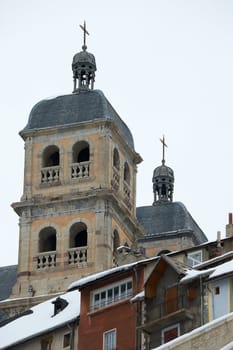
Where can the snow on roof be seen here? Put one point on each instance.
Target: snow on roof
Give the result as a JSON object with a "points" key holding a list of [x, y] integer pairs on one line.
{"points": [[96, 276], [219, 270], [222, 269], [193, 274], [41, 320], [228, 346], [197, 332], [138, 297]]}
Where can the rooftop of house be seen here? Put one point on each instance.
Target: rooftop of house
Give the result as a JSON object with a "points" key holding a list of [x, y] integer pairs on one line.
{"points": [[196, 333], [40, 319]]}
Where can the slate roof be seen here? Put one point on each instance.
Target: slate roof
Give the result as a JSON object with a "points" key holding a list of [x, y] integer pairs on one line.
{"points": [[8, 277], [84, 106], [168, 218]]}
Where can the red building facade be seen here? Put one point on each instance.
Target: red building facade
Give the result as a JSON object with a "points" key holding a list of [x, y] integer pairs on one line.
{"points": [[108, 320]]}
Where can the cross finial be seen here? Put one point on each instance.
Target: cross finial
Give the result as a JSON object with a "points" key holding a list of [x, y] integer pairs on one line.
{"points": [[85, 32], [164, 145]]}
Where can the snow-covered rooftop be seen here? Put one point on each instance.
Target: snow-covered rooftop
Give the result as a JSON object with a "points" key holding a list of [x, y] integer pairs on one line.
{"points": [[41, 320], [222, 269], [197, 332], [138, 297], [96, 276], [193, 274], [213, 272]]}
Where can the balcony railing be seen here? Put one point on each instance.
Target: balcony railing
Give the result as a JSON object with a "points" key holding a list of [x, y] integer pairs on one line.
{"points": [[115, 179], [77, 256], [159, 310], [163, 314], [50, 174], [80, 170], [46, 260], [127, 194]]}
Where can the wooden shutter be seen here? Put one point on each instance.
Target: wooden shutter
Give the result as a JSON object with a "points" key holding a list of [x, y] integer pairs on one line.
{"points": [[171, 300]]}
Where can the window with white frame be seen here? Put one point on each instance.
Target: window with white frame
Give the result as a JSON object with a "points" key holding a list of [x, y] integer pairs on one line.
{"points": [[194, 258], [111, 294], [109, 340]]}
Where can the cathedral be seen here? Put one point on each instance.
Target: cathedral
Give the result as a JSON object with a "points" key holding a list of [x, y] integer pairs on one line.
{"points": [[77, 214]]}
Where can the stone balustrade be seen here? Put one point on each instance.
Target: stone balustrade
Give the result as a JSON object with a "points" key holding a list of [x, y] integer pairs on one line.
{"points": [[115, 179], [77, 255], [126, 194], [46, 260], [80, 170], [50, 174]]}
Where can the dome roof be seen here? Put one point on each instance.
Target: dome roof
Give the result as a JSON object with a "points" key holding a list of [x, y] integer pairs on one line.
{"points": [[168, 218], [163, 170], [84, 57], [84, 106]]}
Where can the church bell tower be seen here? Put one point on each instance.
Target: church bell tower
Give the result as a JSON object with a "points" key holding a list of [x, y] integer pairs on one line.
{"points": [[78, 202]]}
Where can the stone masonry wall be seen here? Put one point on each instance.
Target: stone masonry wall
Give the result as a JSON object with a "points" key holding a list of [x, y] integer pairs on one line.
{"points": [[212, 336]]}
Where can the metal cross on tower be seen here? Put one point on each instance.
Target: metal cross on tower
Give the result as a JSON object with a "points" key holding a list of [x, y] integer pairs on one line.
{"points": [[164, 145], [85, 32]]}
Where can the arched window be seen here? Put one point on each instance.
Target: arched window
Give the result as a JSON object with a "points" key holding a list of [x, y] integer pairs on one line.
{"points": [[81, 160], [78, 235], [50, 172], [81, 152], [116, 159], [47, 240], [116, 241], [126, 173], [51, 157], [116, 244]]}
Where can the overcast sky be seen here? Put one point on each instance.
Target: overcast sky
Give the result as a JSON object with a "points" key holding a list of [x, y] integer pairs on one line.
{"points": [[166, 66]]}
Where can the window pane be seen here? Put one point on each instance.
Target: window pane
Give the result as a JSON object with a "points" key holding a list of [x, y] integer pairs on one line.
{"points": [[194, 258], [112, 293], [96, 300], [110, 340], [66, 340], [116, 293], [129, 287], [110, 296]]}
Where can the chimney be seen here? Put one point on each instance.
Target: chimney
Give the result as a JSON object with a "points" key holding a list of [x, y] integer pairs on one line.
{"points": [[229, 226], [219, 239]]}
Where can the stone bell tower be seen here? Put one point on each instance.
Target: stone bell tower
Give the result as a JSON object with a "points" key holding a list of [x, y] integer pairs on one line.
{"points": [[78, 202]]}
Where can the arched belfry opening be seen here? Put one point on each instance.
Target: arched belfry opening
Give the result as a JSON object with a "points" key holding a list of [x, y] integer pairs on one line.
{"points": [[116, 241], [50, 171], [126, 173], [51, 157], [78, 235], [116, 159], [81, 152], [116, 244], [81, 160], [47, 240]]}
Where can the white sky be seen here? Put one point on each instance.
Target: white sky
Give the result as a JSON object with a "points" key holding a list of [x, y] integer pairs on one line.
{"points": [[165, 66]]}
